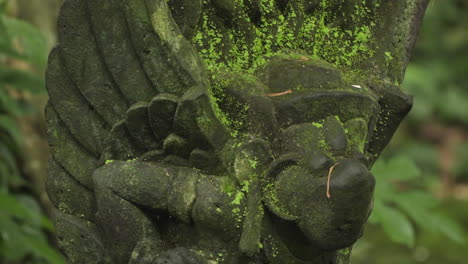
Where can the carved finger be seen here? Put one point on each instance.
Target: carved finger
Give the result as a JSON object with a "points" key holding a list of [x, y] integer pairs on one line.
{"points": [[161, 113], [139, 127]]}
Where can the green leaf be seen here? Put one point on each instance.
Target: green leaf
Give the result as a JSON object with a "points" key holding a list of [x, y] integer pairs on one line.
{"points": [[3, 178], [40, 247], [7, 104], [33, 207], [8, 125], [395, 224], [6, 42], [47, 224], [397, 168], [10, 206], [33, 43], [22, 81], [9, 166], [418, 212], [10, 232], [416, 199], [19, 243], [449, 227]]}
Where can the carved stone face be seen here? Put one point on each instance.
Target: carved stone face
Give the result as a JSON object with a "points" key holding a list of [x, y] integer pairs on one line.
{"points": [[211, 132], [275, 173], [318, 130], [285, 174]]}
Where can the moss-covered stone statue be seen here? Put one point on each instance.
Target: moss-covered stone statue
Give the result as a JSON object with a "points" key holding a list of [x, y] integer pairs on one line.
{"points": [[222, 131]]}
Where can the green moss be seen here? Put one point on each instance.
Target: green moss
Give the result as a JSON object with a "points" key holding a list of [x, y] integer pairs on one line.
{"points": [[270, 195], [228, 186], [238, 198], [253, 163], [317, 125], [336, 33], [246, 47]]}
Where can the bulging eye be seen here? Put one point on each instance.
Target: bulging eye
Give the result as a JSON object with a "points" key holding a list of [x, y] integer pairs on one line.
{"points": [[283, 162], [318, 162]]}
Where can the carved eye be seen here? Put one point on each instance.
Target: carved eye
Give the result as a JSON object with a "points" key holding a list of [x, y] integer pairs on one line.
{"points": [[282, 163], [318, 162]]}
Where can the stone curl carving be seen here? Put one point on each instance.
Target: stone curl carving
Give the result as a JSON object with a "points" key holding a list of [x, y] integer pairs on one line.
{"points": [[223, 131]]}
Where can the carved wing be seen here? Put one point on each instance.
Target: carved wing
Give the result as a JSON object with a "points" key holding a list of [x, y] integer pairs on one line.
{"points": [[118, 75]]}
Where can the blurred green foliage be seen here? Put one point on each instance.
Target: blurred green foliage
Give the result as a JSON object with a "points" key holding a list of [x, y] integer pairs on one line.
{"points": [[409, 224], [437, 76], [23, 226], [398, 209]]}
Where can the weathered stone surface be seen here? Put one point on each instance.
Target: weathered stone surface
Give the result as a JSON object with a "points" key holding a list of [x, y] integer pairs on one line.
{"points": [[113, 37], [186, 15], [64, 146], [70, 103], [338, 222], [137, 122], [196, 121], [204, 160], [301, 138], [119, 144], [79, 239], [176, 145], [221, 131], [179, 256], [68, 195], [83, 62], [152, 52], [161, 113], [318, 163], [355, 128], [334, 134], [300, 75]]}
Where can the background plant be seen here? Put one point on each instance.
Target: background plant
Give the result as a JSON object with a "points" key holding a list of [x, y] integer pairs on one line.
{"points": [[23, 226], [423, 174]]}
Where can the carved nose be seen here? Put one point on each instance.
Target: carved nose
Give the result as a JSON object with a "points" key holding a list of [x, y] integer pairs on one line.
{"points": [[338, 222], [329, 223]]}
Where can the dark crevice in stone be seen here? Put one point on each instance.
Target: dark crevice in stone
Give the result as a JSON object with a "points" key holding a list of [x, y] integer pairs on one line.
{"points": [[76, 141], [75, 87], [91, 107], [78, 96], [71, 175]]}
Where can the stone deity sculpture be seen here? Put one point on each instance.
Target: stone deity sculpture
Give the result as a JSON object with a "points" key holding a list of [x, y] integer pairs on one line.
{"points": [[222, 131]]}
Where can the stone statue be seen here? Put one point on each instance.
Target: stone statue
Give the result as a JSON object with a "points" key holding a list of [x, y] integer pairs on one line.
{"points": [[222, 131]]}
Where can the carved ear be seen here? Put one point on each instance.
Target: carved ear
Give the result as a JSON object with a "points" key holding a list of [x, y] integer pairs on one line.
{"points": [[395, 105]]}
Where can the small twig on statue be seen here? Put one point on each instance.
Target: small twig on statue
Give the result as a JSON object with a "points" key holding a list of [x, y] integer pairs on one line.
{"points": [[279, 94], [330, 171]]}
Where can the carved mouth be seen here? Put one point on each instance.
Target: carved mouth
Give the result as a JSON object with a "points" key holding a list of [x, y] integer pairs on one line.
{"points": [[283, 226], [294, 241]]}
